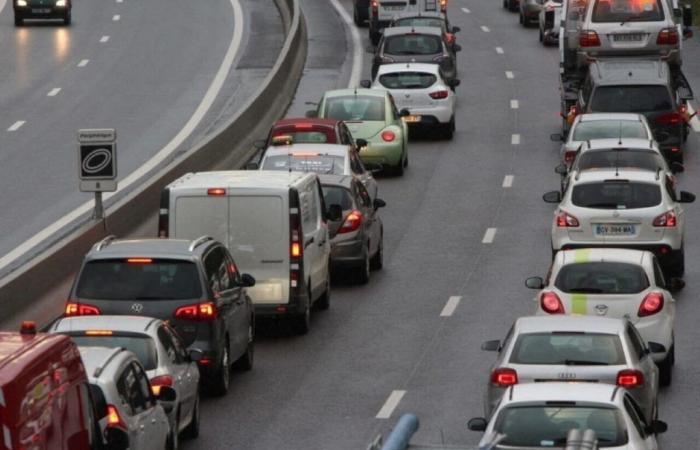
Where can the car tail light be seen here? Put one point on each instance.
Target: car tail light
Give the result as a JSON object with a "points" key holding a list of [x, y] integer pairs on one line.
{"points": [[551, 303], [652, 304], [201, 312], [81, 309], [672, 118], [569, 156], [589, 38], [114, 419], [443, 6], [437, 95], [352, 222], [388, 136], [629, 378], [566, 220], [296, 248], [667, 219], [667, 36], [375, 8], [504, 377], [163, 214], [160, 381], [139, 260]]}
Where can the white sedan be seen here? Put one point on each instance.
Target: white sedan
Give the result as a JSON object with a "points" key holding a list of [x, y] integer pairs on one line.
{"points": [[422, 90]]}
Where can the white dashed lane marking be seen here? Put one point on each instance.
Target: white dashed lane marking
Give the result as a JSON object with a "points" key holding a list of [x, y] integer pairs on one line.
{"points": [[489, 236], [450, 306], [509, 74], [485, 29], [515, 139], [508, 181], [53, 92], [104, 39], [17, 125], [499, 50], [514, 104], [390, 405], [83, 63], [466, 10], [116, 17]]}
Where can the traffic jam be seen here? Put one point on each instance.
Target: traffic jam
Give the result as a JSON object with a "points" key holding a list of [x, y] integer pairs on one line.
{"points": [[153, 325]]}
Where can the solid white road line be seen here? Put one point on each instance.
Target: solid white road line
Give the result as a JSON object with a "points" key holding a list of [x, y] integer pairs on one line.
{"points": [[508, 181], [104, 39], [514, 104], [515, 139], [53, 92], [357, 51], [489, 236], [162, 154], [17, 125], [499, 50], [485, 29], [466, 10], [2, 4], [450, 306], [390, 405], [116, 17], [695, 121], [509, 74], [83, 63]]}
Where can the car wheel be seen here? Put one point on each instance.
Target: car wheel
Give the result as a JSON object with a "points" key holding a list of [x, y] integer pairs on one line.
{"points": [[676, 265], [542, 37], [192, 430], [449, 129], [362, 271], [374, 37], [521, 19], [245, 362], [356, 16], [67, 19], [301, 323], [377, 261], [399, 169], [19, 21], [223, 374], [174, 435], [666, 368], [324, 302]]}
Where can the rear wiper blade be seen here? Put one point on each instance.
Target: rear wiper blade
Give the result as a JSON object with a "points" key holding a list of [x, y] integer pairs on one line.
{"points": [[602, 205], [586, 290], [151, 298], [583, 362]]}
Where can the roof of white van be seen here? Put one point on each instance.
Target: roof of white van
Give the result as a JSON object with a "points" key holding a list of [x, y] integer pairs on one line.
{"points": [[240, 179]]}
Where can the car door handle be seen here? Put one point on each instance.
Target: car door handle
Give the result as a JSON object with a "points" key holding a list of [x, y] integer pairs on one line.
{"points": [[309, 241]]}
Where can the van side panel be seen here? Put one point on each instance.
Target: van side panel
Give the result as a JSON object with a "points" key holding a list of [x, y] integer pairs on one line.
{"points": [[196, 216]]}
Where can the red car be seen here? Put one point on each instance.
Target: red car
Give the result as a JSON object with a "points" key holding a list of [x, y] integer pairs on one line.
{"points": [[312, 131]]}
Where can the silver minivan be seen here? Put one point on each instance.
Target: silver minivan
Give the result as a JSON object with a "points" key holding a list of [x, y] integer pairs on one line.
{"points": [[274, 223]]}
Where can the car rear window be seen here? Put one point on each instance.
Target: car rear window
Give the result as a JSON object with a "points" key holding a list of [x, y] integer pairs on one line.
{"points": [[412, 44], [139, 279], [604, 129], [407, 80], [419, 22], [616, 195], [301, 163], [309, 137], [548, 425], [355, 108], [142, 346], [627, 11], [609, 159], [637, 99], [601, 278], [563, 348], [337, 195]]}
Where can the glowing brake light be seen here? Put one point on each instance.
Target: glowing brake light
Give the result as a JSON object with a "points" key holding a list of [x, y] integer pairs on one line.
{"points": [[352, 222], [652, 304], [437, 95], [201, 312], [667, 219], [551, 303], [99, 333], [589, 38], [81, 309], [303, 126], [160, 381], [504, 377], [114, 419], [673, 118], [629, 378], [139, 260], [566, 220], [296, 250], [443, 6], [216, 192], [667, 36], [388, 135]]}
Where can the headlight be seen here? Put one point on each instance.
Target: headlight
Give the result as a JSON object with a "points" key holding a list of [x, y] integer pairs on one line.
{"points": [[61, 3], [21, 2]]}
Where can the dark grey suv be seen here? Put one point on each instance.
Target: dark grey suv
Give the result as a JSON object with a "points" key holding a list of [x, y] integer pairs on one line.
{"points": [[194, 285]]}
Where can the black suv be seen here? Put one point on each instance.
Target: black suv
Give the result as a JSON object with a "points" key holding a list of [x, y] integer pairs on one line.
{"points": [[194, 285], [647, 87], [42, 9]]}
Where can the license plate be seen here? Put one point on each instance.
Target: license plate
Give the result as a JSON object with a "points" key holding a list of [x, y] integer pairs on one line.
{"points": [[393, 8], [628, 37], [41, 10], [615, 230], [411, 119]]}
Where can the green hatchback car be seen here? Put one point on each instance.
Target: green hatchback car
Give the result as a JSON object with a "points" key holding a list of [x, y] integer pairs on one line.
{"points": [[370, 114]]}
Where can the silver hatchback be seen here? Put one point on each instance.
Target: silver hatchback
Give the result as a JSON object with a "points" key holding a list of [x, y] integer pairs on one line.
{"points": [[573, 349]]}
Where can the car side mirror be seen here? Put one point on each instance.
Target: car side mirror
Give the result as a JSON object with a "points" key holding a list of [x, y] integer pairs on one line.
{"points": [[677, 167], [334, 213], [655, 347], [379, 203], [453, 83], [534, 283], [247, 280], [366, 84], [657, 427], [687, 15], [556, 137], [404, 112], [195, 355], [561, 169], [457, 47], [116, 439], [491, 346], [456, 29], [360, 143], [311, 113], [552, 197], [477, 424], [686, 197], [167, 397], [253, 165], [676, 284], [260, 144]]}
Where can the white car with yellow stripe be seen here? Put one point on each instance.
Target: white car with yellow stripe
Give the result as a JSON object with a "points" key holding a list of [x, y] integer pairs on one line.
{"points": [[618, 283]]}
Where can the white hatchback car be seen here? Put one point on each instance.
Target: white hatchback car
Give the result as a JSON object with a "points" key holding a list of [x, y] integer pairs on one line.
{"points": [[540, 415], [617, 283], [549, 22], [421, 89], [160, 351], [591, 126], [627, 208]]}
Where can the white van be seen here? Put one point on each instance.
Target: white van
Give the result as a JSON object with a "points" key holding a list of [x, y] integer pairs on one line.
{"points": [[274, 224]]}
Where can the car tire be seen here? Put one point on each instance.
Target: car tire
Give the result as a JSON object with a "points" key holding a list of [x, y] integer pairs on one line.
{"points": [[449, 129], [377, 261], [521, 19], [676, 268], [374, 37], [174, 435], [666, 367], [356, 16], [405, 159], [222, 376], [362, 271], [192, 429], [301, 323], [245, 362], [542, 38], [324, 302], [19, 21], [67, 19]]}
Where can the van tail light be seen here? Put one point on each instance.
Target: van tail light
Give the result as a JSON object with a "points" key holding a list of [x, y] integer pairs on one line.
{"points": [[566, 220], [672, 118], [81, 309], [652, 304], [629, 378], [551, 303], [437, 95], [163, 213], [296, 245], [569, 156], [589, 38], [443, 6], [200, 312], [667, 36], [114, 419], [375, 8], [160, 381], [504, 377], [216, 192], [352, 222], [388, 136], [667, 219]]}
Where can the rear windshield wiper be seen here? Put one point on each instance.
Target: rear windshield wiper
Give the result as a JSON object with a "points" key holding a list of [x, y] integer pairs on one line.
{"points": [[586, 290], [583, 362], [603, 205]]}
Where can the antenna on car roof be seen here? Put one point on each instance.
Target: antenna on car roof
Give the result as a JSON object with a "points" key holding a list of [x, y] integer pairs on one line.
{"points": [[617, 162], [619, 139]]}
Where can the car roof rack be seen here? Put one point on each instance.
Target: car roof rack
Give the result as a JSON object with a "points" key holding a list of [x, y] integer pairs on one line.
{"points": [[199, 241], [99, 369], [104, 242]]}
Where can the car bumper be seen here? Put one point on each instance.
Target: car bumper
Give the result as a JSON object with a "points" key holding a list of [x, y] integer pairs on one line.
{"points": [[431, 116], [663, 250], [42, 11], [672, 56], [295, 306], [347, 254], [382, 153]]}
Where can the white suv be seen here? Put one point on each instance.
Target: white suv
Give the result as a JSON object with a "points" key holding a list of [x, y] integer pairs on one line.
{"points": [[627, 208], [616, 283]]}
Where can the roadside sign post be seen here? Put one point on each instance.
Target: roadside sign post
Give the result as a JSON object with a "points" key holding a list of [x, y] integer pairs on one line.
{"points": [[97, 164]]}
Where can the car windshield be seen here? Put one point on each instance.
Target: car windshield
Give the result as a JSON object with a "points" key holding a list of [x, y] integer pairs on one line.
{"points": [[419, 22], [412, 44], [548, 425], [601, 278], [142, 346], [139, 279], [604, 129], [637, 99], [616, 195], [337, 195], [407, 80], [308, 137], [305, 163], [566, 348], [627, 10], [355, 108], [609, 159]]}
